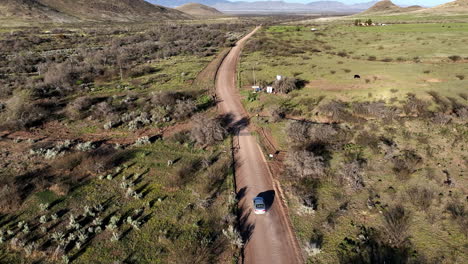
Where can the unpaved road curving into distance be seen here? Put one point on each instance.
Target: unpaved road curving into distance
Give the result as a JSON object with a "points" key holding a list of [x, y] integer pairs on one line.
{"points": [[270, 238]]}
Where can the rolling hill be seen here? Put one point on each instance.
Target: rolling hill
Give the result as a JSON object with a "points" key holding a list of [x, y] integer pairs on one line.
{"points": [[195, 9], [30, 10], [388, 7], [458, 6], [114, 10], [85, 10]]}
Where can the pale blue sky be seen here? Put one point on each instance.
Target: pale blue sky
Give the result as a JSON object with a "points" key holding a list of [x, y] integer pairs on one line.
{"points": [[398, 2]]}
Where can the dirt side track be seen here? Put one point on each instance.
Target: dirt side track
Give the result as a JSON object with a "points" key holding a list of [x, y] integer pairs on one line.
{"points": [[270, 238]]}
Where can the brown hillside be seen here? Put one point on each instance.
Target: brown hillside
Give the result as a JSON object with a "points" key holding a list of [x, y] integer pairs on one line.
{"points": [[385, 6], [117, 10], [30, 10], [458, 6], [195, 9]]}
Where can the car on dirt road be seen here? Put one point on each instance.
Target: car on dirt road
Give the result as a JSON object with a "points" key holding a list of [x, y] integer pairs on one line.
{"points": [[259, 205]]}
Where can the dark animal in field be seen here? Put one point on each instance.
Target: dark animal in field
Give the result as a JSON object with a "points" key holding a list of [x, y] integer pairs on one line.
{"points": [[357, 76]]}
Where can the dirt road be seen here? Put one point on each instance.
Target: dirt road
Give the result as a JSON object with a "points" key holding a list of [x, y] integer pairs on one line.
{"points": [[270, 238]]}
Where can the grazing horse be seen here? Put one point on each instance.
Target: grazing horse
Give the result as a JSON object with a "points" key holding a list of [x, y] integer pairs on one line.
{"points": [[357, 76]]}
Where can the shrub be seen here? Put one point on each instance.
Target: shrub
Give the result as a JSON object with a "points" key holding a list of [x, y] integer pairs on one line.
{"points": [[406, 164], [304, 164], [459, 213], [397, 222], [298, 132], [420, 196], [21, 113], [9, 197], [184, 109], [77, 109], [342, 54], [286, 85], [351, 174], [461, 77], [277, 113], [372, 58], [207, 131], [455, 58]]}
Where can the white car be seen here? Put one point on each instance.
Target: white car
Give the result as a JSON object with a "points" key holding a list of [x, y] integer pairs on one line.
{"points": [[259, 205]]}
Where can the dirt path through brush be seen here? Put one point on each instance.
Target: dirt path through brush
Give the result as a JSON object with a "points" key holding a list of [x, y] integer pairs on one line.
{"points": [[270, 238]]}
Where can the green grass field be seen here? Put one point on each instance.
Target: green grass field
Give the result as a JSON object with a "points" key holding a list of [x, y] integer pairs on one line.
{"points": [[392, 61]]}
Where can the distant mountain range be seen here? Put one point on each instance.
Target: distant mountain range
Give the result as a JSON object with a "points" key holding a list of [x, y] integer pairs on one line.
{"points": [[273, 6]]}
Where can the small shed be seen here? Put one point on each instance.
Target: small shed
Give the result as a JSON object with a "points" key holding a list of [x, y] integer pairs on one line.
{"points": [[256, 88], [269, 89]]}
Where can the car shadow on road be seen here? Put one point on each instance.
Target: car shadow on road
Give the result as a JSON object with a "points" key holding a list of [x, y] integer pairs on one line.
{"points": [[268, 198]]}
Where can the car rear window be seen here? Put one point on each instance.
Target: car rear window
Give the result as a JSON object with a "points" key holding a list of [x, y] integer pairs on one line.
{"points": [[260, 206]]}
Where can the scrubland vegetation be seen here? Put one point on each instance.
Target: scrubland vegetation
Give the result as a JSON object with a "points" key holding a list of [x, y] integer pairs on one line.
{"points": [[111, 151], [375, 166]]}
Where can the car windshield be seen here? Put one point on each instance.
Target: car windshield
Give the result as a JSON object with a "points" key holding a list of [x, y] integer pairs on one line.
{"points": [[260, 206]]}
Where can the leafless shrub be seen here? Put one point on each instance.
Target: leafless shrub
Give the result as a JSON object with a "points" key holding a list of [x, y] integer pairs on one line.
{"points": [[277, 113], [102, 111], [9, 197], [167, 98], [461, 77], [184, 109], [375, 109], [368, 139], [21, 113], [77, 109], [441, 118], [459, 213], [444, 105], [207, 131], [464, 96], [61, 76], [406, 164], [141, 71], [286, 85], [420, 196], [455, 58], [298, 132], [338, 111], [396, 228], [323, 133], [304, 164], [351, 174], [415, 106]]}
